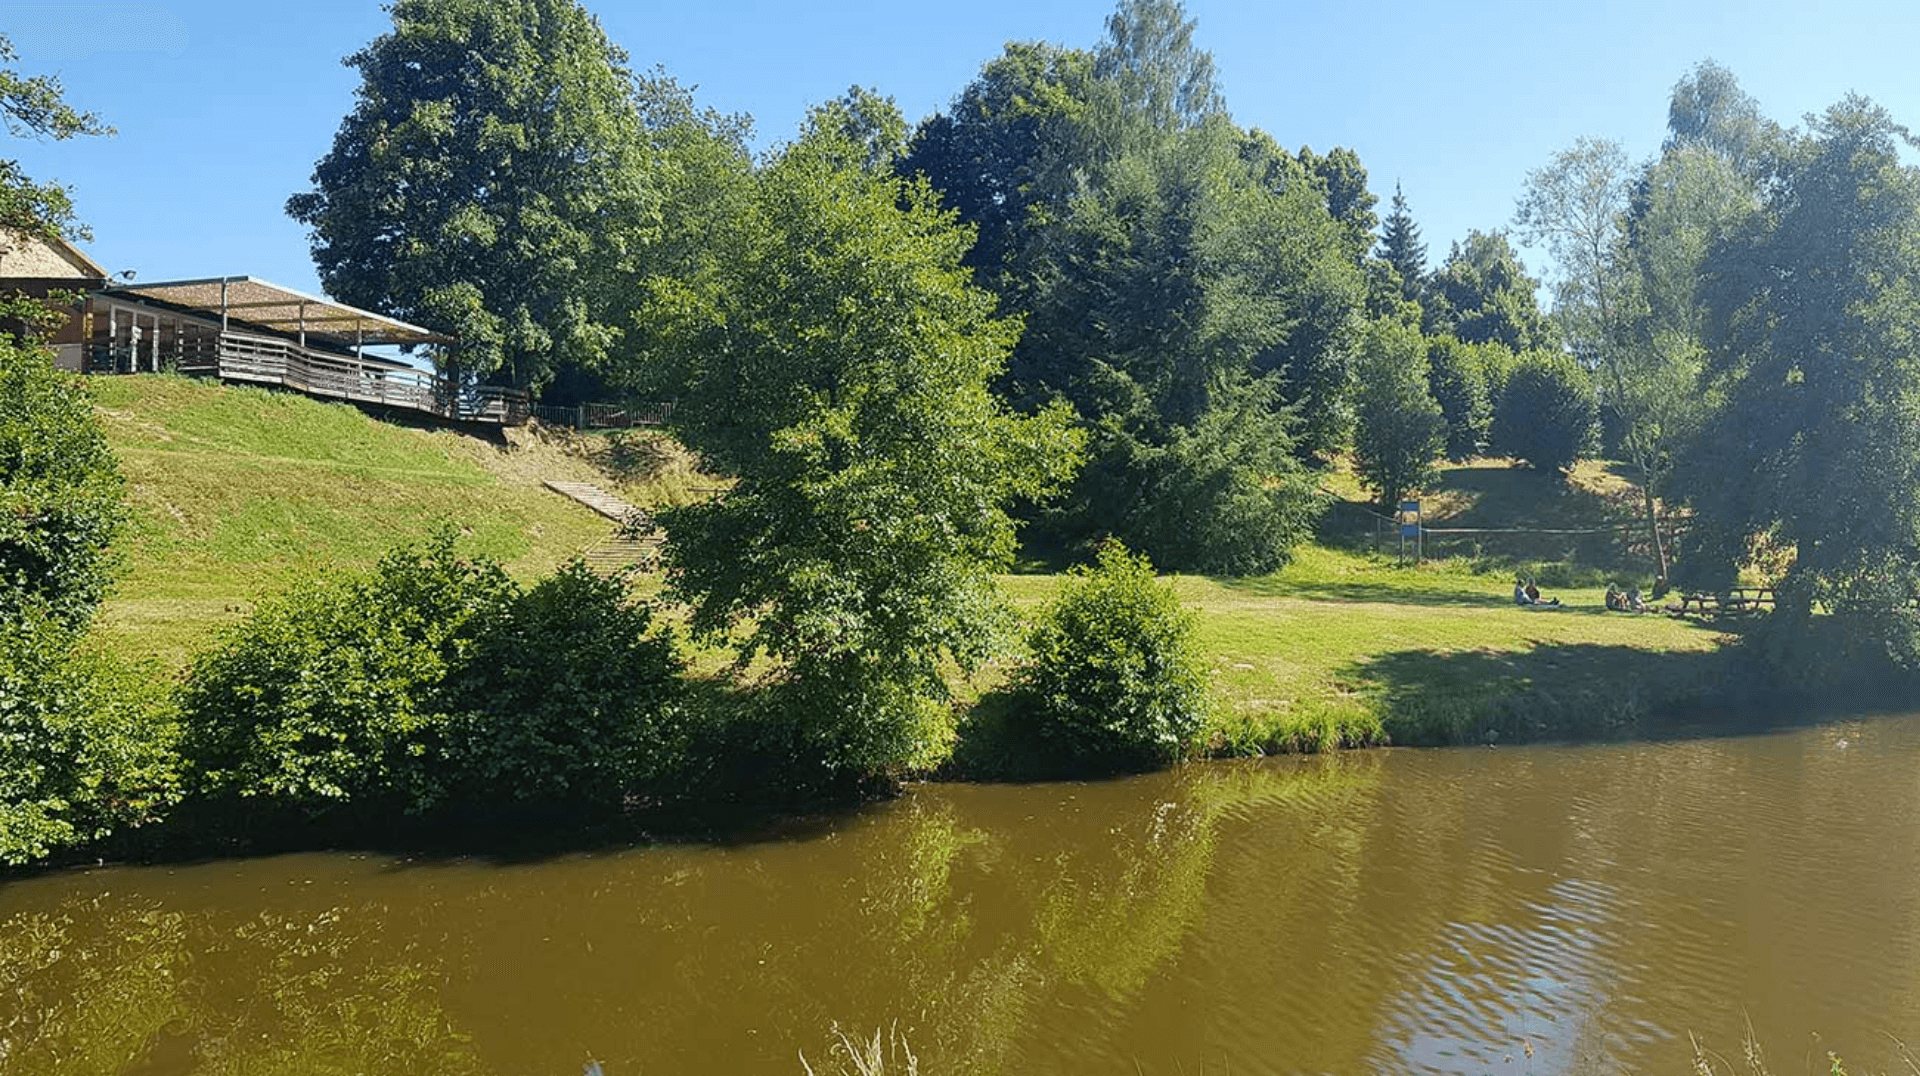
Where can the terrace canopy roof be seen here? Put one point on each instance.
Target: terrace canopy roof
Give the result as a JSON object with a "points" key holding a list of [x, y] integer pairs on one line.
{"points": [[270, 306]]}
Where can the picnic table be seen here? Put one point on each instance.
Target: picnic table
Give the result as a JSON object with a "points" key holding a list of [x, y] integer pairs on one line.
{"points": [[1731, 600]]}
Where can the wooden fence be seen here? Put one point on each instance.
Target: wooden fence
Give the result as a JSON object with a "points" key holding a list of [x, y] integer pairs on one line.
{"points": [[605, 416]]}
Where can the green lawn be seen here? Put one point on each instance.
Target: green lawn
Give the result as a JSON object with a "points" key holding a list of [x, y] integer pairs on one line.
{"points": [[238, 491], [1346, 647]]}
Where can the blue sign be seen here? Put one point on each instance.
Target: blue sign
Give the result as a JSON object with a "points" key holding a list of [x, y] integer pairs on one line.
{"points": [[1410, 506], [1409, 530]]}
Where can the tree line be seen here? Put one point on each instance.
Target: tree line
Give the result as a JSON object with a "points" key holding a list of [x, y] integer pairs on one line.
{"points": [[1747, 303], [1203, 310]]}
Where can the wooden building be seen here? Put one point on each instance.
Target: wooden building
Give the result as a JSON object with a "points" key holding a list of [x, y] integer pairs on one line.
{"points": [[41, 267], [244, 329]]}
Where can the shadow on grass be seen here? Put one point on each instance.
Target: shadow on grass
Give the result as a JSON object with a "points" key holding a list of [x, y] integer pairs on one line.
{"points": [[1549, 692], [1510, 497], [1507, 511], [1381, 591], [629, 455], [1589, 691]]}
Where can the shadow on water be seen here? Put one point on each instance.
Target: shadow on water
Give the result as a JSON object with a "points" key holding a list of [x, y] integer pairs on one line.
{"points": [[210, 833]]}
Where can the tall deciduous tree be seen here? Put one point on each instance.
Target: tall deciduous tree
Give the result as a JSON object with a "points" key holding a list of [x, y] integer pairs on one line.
{"points": [[866, 118], [1577, 206], [1708, 110], [834, 357], [1151, 76], [1814, 320], [1349, 201], [84, 749], [60, 488], [488, 183], [1683, 202], [1400, 430], [1009, 155]]}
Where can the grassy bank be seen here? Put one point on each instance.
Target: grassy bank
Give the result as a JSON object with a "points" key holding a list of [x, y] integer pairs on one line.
{"points": [[237, 491], [1348, 648]]}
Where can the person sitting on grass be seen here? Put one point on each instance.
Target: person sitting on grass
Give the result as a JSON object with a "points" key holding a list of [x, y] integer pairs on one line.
{"points": [[1635, 604], [1534, 598], [1616, 601]]}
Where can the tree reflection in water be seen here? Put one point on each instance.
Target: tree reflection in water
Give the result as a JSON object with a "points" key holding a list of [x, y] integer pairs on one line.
{"points": [[1378, 911]]}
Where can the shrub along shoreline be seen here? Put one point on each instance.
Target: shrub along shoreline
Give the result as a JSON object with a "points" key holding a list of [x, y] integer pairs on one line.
{"points": [[432, 701]]}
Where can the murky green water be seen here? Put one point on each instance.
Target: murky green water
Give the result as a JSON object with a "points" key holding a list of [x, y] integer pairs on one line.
{"points": [[1523, 910]]}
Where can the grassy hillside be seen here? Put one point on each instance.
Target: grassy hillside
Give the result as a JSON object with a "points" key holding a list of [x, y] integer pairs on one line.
{"points": [[236, 491]]}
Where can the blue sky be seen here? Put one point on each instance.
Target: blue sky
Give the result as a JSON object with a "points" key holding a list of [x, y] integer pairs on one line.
{"points": [[222, 107]]}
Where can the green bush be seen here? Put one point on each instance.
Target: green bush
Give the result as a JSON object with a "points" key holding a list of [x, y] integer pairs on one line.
{"points": [[828, 728], [1114, 676], [60, 490], [1225, 495], [1547, 414], [432, 682], [328, 694], [87, 747], [568, 696]]}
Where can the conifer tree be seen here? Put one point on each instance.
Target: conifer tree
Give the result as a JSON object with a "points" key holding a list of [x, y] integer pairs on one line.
{"points": [[1402, 248]]}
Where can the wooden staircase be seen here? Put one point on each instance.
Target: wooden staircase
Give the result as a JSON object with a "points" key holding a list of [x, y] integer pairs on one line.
{"points": [[597, 499], [631, 546], [618, 553]]}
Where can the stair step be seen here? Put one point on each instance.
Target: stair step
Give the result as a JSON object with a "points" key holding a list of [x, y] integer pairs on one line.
{"points": [[597, 499]]}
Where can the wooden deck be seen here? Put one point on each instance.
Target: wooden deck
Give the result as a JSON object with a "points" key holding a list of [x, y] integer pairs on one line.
{"points": [[266, 360], [258, 359]]}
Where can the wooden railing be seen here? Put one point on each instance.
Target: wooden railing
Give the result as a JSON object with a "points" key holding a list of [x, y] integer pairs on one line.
{"points": [[271, 361]]}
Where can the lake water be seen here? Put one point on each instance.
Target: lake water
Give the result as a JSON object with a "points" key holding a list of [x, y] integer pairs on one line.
{"points": [[1490, 910]]}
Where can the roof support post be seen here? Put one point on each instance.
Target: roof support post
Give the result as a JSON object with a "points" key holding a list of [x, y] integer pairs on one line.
{"points": [[303, 326], [223, 305]]}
